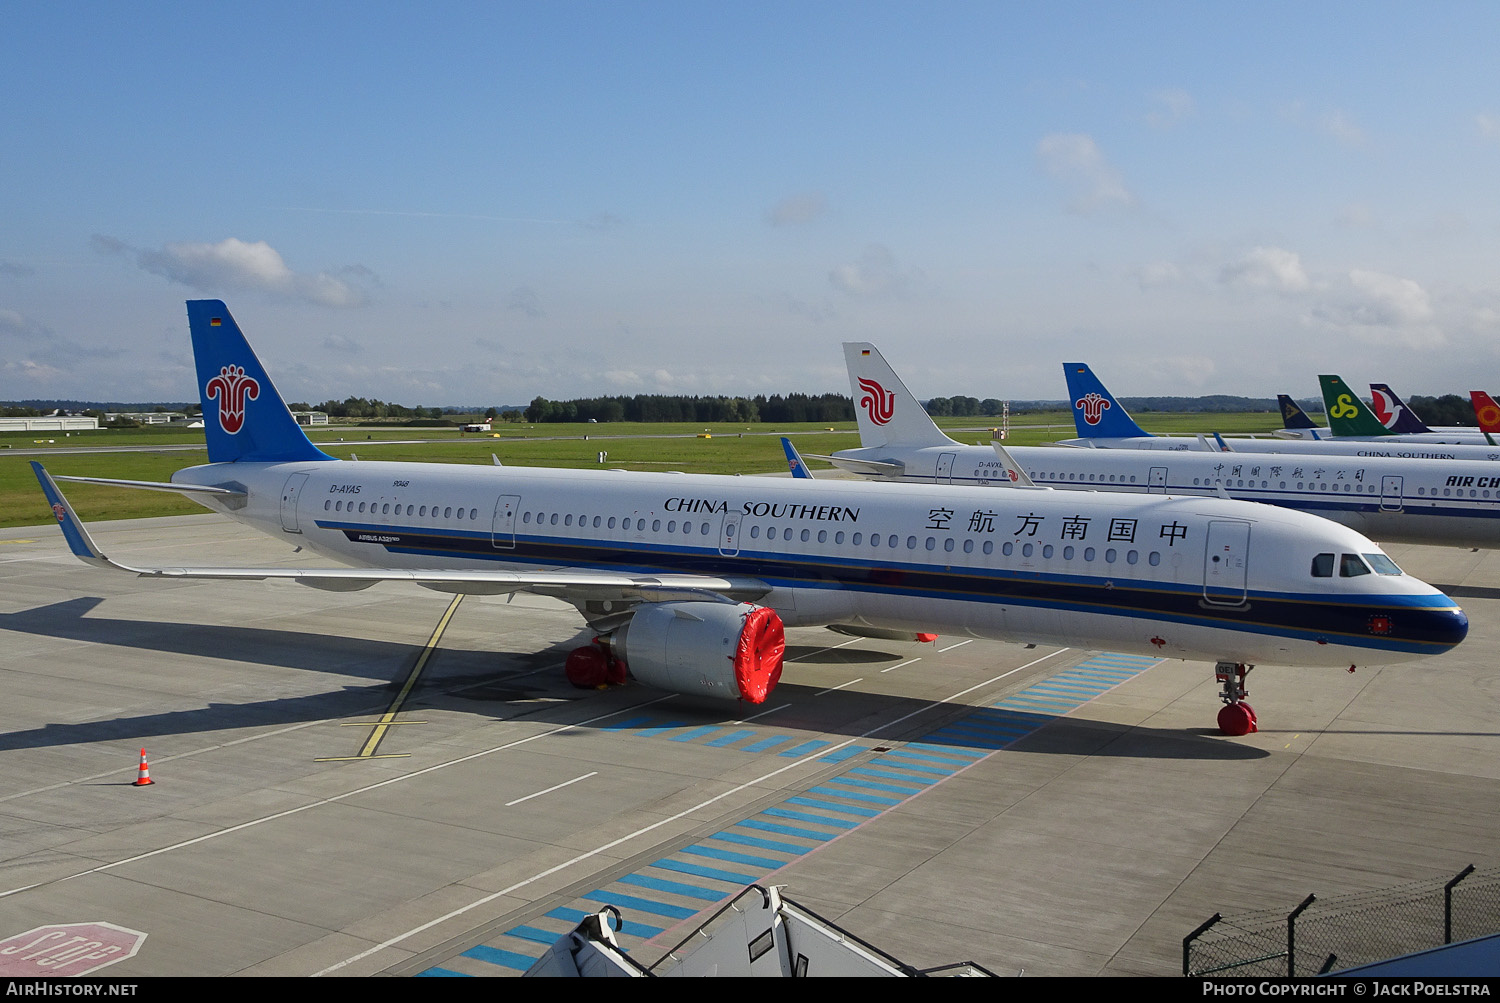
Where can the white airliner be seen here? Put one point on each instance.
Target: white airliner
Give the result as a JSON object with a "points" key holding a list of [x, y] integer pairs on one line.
{"points": [[1102, 422], [689, 579], [1451, 503]]}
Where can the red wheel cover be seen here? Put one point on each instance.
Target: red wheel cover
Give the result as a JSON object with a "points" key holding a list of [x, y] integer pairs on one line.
{"points": [[1235, 719], [757, 660]]}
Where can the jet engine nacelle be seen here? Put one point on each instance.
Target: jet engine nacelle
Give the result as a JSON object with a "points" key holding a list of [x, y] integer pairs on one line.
{"points": [[722, 650]]}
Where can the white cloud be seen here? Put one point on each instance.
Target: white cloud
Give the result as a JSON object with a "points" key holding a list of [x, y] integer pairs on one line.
{"points": [[1343, 128], [794, 209], [1267, 268], [874, 274], [1388, 300], [1488, 125], [343, 344], [1190, 370], [234, 264], [1170, 107], [28, 372], [1158, 273], [523, 299], [1356, 216], [1074, 160], [17, 324]]}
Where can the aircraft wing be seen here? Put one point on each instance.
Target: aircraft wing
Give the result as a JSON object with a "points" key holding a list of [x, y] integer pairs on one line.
{"points": [[573, 585]]}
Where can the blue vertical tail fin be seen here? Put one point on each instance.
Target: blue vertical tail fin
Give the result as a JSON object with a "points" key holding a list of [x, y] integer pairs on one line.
{"points": [[1292, 415], [1096, 413], [794, 460], [244, 418]]}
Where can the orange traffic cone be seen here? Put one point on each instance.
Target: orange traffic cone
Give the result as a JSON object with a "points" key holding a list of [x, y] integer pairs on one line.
{"points": [[144, 776]]}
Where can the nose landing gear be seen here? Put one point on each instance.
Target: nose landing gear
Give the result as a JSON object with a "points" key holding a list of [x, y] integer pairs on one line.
{"points": [[1236, 717]]}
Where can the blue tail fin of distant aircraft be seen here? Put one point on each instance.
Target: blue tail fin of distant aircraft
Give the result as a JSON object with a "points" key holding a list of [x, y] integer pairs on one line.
{"points": [[244, 418], [1292, 415], [1096, 413], [794, 460], [1393, 412]]}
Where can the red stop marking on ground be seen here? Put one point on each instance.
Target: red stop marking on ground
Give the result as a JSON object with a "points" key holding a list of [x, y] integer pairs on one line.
{"points": [[66, 949]]}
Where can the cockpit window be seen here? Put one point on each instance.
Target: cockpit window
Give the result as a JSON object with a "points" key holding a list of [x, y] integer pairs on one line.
{"points": [[1350, 566], [1383, 565], [1322, 566]]}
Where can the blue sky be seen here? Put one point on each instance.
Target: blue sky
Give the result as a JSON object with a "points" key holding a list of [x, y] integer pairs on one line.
{"points": [[482, 203]]}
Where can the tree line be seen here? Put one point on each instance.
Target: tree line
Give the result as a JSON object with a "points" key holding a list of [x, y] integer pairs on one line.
{"points": [[665, 407]]}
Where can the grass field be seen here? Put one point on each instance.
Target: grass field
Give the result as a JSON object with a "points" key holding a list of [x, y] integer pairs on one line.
{"points": [[634, 446]]}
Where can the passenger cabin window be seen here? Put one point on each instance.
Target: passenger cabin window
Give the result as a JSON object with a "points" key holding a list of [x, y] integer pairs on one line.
{"points": [[1322, 566], [1350, 566]]}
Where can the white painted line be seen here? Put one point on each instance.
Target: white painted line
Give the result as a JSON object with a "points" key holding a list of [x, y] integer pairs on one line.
{"points": [[762, 714], [893, 668], [831, 647], [333, 800], [555, 787], [834, 689], [960, 644]]}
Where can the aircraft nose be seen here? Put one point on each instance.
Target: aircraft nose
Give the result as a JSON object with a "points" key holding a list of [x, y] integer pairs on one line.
{"points": [[1435, 626], [1452, 627], [1442, 628]]}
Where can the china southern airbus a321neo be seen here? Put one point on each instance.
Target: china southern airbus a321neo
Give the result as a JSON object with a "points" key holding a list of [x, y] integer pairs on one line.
{"points": [[690, 579]]}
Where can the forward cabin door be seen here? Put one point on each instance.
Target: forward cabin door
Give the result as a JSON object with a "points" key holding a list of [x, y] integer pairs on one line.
{"points": [[1226, 562]]}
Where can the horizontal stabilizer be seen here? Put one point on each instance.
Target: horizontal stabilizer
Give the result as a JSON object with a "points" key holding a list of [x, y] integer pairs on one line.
{"points": [[879, 467], [186, 489]]}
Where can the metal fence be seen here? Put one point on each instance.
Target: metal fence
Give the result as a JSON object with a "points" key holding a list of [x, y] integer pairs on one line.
{"points": [[1328, 935]]}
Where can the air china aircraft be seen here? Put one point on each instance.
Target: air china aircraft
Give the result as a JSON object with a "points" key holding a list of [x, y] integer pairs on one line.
{"points": [[690, 579], [1455, 503], [1103, 422]]}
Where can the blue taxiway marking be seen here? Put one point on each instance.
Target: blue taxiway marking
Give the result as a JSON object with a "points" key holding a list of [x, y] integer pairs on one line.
{"points": [[886, 778]]}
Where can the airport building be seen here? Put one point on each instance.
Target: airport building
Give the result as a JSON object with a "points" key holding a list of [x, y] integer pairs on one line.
{"points": [[50, 423]]}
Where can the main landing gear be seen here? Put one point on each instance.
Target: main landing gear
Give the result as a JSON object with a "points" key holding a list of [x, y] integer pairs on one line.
{"points": [[594, 666], [1236, 717]]}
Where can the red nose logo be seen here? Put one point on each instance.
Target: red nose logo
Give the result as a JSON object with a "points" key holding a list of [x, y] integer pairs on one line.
{"points": [[877, 400], [232, 387], [1093, 406]]}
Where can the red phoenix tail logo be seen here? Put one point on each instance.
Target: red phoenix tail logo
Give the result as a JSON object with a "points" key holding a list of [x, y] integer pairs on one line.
{"points": [[880, 402], [232, 387], [1093, 406], [1385, 409]]}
